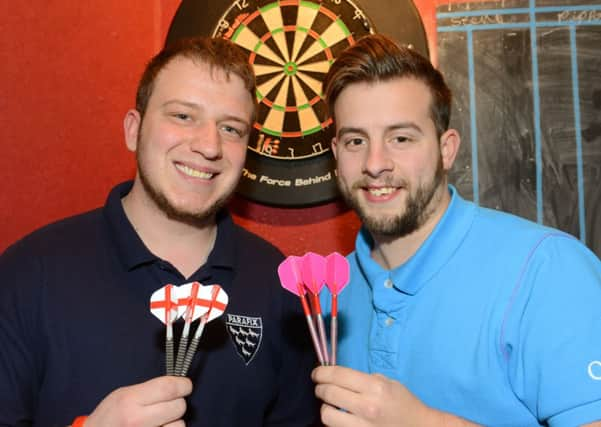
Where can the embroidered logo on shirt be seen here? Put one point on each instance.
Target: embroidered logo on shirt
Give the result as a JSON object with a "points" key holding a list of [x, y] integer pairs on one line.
{"points": [[594, 370], [246, 333]]}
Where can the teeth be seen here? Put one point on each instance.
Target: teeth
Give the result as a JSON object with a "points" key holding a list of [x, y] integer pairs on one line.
{"points": [[381, 191], [193, 172]]}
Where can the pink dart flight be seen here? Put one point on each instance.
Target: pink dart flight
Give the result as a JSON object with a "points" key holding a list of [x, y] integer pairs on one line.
{"points": [[289, 272], [313, 273], [337, 277], [337, 272]]}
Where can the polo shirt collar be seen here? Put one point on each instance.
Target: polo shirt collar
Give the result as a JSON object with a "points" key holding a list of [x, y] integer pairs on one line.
{"points": [[432, 255], [133, 252]]}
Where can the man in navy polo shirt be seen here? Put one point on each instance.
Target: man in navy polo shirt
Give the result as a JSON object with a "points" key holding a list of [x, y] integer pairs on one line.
{"points": [[455, 315], [77, 338]]}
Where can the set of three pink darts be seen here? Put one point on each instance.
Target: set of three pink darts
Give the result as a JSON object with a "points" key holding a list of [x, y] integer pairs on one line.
{"points": [[309, 274]]}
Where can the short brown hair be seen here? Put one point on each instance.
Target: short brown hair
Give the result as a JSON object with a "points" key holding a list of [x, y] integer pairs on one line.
{"points": [[376, 57], [216, 52]]}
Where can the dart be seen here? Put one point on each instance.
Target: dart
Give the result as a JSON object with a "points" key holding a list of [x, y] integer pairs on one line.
{"points": [[215, 299], [337, 277], [289, 272], [313, 272], [164, 305], [193, 310]]}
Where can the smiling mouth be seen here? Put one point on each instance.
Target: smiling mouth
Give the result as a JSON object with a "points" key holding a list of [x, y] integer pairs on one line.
{"points": [[193, 172], [383, 191]]}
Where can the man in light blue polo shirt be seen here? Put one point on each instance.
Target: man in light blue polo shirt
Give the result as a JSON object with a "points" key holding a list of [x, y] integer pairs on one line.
{"points": [[456, 315]]}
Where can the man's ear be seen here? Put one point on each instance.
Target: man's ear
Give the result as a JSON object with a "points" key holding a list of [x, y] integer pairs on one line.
{"points": [[131, 127], [449, 147], [334, 144]]}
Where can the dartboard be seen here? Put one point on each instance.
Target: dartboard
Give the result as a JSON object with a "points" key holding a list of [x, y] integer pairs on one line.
{"points": [[291, 44]]}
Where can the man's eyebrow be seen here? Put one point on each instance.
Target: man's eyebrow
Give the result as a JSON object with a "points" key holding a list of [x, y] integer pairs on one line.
{"points": [[395, 126], [348, 129], [179, 102], [404, 125], [195, 106]]}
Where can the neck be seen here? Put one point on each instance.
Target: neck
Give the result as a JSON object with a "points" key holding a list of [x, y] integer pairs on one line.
{"points": [[391, 252], [185, 245]]}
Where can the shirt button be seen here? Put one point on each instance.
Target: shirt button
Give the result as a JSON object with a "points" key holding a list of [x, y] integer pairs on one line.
{"points": [[389, 321], [388, 283]]}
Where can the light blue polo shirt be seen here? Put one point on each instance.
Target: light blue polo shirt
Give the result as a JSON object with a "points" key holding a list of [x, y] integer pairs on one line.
{"points": [[495, 319]]}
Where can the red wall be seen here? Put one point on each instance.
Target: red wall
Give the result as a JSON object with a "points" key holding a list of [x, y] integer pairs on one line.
{"points": [[68, 75]]}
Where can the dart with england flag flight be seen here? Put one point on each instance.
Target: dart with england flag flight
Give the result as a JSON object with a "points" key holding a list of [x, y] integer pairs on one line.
{"points": [[164, 305], [193, 309], [216, 299]]}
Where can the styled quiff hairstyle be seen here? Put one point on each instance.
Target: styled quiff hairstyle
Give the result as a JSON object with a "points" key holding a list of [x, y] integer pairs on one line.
{"points": [[377, 58], [218, 53]]}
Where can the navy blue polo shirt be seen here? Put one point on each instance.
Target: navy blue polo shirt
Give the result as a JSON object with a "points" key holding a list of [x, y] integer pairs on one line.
{"points": [[75, 325]]}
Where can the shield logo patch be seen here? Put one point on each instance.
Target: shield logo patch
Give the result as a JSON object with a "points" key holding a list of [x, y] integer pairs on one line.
{"points": [[246, 333]]}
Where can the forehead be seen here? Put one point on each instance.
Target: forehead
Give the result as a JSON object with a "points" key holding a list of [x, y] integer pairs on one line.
{"points": [[397, 99], [194, 80]]}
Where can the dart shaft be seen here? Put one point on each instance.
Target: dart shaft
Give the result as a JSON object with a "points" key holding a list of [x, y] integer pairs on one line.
{"points": [[322, 337], [181, 351], [320, 327], [315, 340], [169, 356], [189, 356], [333, 339]]}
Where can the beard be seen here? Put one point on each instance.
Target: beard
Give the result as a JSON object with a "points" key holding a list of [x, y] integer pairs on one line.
{"points": [[417, 210], [196, 217]]}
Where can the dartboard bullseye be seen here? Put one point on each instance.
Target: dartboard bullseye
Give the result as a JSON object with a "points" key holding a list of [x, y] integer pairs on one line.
{"points": [[291, 45]]}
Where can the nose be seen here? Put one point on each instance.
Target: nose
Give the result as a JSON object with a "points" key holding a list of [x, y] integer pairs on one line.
{"points": [[377, 160], [207, 140]]}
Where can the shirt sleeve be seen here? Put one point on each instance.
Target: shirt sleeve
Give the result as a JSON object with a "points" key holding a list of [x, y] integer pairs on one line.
{"points": [[20, 335], [553, 330], [296, 405]]}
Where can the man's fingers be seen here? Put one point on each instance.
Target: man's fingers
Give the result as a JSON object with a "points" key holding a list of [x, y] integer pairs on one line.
{"points": [[162, 389], [341, 376], [334, 417], [165, 413], [339, 397]]}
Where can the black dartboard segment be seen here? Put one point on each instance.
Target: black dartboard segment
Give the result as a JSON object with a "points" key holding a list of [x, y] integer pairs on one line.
{"points": [[291, 45]]}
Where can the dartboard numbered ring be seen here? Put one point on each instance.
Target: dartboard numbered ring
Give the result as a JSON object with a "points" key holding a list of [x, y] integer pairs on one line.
{"points": [[291, 44]]}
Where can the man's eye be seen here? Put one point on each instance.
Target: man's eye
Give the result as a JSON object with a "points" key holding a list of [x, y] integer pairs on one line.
{"points": [[232, 130], [400, 139], [181, 116], [354, 142]]}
